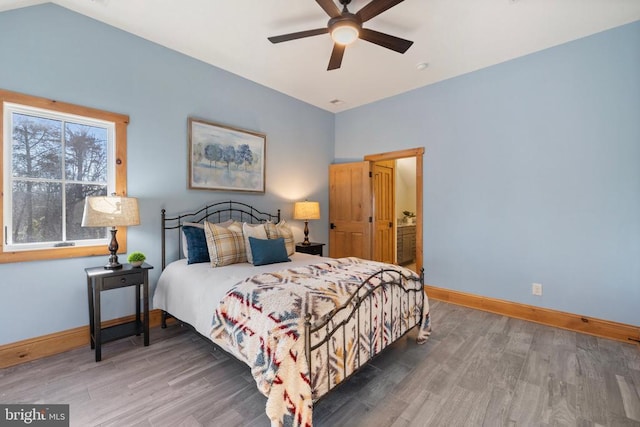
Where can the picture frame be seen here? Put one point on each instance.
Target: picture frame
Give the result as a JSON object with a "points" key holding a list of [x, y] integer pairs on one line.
{"points": [[225, 158]]}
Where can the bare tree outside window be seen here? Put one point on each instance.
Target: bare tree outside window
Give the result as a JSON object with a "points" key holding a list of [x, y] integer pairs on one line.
{"points": [[47, 205]]}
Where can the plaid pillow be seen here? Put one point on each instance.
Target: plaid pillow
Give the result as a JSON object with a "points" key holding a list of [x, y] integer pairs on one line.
{"points": [[283, 230], [226, 245]]}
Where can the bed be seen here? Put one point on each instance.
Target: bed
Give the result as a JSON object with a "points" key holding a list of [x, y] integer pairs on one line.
{"points": [[303, 325]]}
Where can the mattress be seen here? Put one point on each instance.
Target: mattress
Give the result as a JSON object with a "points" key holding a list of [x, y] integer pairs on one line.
{"points": [[186, 290]]}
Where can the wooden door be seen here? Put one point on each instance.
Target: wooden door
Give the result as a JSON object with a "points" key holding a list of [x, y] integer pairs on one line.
{"points": [[350, 206], [384, 211]]}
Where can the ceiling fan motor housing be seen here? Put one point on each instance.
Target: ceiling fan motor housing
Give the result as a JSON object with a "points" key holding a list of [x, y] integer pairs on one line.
{"points": [[347, 18]]}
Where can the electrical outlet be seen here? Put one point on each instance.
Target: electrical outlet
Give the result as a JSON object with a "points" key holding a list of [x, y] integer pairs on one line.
{"points": [[536, 289]]}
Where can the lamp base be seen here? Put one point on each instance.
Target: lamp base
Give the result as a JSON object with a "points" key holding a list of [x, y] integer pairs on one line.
{"points": [[113, 263], [306, 241], [115, 266]]}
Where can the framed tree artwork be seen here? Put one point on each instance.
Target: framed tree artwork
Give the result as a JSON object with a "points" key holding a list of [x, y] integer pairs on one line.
{"points": [[225, 158]]}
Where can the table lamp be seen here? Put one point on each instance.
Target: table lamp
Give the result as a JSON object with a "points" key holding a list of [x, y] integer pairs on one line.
{"points": [[111, 211], [305, 211]]}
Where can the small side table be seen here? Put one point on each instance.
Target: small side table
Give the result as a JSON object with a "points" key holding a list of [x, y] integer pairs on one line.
{"points": [[313, 248], [100, 279]]}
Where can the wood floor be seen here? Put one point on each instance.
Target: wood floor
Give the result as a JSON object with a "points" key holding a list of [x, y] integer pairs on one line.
{"points": [[478, 369]]}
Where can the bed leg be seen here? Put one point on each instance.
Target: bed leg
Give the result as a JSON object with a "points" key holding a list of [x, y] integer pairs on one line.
{"points": [[163, 320], [424, 327], [307, 343]]}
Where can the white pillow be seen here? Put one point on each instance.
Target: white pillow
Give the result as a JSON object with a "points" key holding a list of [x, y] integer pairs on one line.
{"points": [[252, 230], [185, 246]]}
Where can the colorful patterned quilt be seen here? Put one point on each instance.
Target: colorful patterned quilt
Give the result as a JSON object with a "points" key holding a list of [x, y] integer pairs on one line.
{"points": [[261, 321]]}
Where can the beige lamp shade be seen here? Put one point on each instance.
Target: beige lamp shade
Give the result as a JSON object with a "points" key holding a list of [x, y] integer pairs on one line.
{"points": [[110, 211], [306, 210]]}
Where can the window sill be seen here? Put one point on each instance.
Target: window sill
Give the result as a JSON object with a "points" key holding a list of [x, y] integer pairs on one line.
{"points": [[60, 253]]}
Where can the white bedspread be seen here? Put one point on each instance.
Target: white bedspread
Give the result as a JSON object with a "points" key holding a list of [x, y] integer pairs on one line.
{"points": [[192, 292]]}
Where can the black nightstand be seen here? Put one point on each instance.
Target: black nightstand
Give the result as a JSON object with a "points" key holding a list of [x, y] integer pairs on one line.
{"points": [[313, 248], [100, 279]]}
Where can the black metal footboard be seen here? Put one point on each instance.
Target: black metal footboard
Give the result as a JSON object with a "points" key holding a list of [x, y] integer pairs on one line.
{"points": [[350, 312]]}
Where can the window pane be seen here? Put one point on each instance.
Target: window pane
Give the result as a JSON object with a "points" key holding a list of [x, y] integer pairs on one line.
{"points": [[76, 194], [37, 151], [37, 212], [86, 153]]}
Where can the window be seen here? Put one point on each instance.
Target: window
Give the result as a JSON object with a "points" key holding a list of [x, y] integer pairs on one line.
{"points": [[53, 156]]}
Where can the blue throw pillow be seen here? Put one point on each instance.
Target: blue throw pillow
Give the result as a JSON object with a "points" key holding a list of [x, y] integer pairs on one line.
{"points": [[268, 251], [196, 244]]}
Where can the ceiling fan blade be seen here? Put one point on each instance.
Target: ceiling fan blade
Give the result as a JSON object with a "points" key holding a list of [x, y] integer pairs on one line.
{"points": [[329, 7], [375, 8], [385, 40], [336, 56], [298, 35]]}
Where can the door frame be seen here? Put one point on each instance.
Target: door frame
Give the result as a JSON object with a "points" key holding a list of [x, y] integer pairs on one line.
{"points": [[418, 153]]}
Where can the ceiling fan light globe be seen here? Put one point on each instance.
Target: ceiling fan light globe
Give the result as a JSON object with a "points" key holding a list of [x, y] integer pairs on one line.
{"points": [[344, 34]]}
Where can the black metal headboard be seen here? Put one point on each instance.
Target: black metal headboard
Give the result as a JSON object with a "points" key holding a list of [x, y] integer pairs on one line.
{"points": [[215, 212]]}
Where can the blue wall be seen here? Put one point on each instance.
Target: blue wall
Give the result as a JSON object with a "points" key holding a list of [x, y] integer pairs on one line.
{"points": [[532, 174], [51, 52]]}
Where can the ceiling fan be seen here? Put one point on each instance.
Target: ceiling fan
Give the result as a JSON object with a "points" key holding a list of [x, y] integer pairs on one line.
{"points": [[346, 27]]}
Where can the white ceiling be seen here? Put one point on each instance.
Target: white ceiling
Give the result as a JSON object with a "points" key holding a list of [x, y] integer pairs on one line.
{"points": [[453, 36]]}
